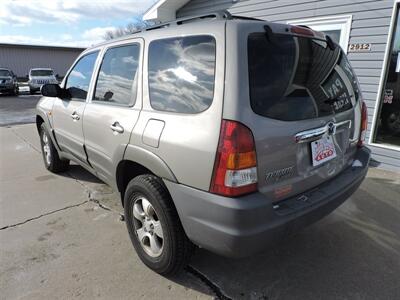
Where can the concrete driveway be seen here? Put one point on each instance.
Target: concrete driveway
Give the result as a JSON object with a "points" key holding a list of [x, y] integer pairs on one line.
{"points": [[61, 237]]}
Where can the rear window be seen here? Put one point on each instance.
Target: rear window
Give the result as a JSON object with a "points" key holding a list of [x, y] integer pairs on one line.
{"points": [[41, 72], [181, 73], [294, 78]]}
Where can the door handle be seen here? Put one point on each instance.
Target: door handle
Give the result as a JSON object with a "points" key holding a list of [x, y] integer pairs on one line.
{"points": [[75, 116], [116, 127]]}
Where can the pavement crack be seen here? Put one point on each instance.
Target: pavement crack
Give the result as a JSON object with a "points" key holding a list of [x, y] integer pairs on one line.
{"points": [[121, 216], [25, 140], [101, 205], [44, 215], [219, 294], [85, 186]]}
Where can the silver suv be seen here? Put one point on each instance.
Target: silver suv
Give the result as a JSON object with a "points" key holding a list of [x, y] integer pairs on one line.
{"points": [[218, 131], [40, 76]]}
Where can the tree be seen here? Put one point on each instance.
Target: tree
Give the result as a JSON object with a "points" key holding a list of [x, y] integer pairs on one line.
{"points": [[128, 29]]}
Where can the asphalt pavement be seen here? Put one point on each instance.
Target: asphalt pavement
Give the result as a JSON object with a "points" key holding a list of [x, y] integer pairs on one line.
{"points": [[61, 237], [18, 110]]}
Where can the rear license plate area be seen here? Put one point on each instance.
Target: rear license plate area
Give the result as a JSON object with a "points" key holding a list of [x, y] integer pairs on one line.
{"points": [[322, 150]]}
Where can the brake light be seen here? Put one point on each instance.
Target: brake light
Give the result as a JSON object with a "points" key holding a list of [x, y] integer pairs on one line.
{"points": [[235, 171], [364, 124], [302, 30]]}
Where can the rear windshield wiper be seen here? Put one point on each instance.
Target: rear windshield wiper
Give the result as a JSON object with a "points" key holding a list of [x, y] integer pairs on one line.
{"points": [[330, 42]]}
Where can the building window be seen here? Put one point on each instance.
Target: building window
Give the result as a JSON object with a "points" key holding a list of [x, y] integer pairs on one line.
{"points": [[387, 120], [337, 27]]}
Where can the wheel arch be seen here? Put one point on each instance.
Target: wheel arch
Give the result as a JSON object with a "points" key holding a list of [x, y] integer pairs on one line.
{"points": [[42, 118], [39, 122], [138, 161]]}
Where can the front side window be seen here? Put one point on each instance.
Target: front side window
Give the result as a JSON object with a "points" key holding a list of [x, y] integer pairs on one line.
{"points": [[78, 80], [181, 74], [117, 79]]}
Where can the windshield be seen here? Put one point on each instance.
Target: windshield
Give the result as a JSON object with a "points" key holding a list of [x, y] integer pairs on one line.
{"points": [[294, 78], [41, 72], [5, 73]]}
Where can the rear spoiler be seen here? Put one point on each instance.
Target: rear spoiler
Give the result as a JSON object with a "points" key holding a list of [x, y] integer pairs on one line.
{"points": [[300, 31]]}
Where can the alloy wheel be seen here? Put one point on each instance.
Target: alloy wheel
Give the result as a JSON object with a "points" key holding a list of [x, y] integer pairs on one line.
{"points": [[46, 148], [148, 227]]}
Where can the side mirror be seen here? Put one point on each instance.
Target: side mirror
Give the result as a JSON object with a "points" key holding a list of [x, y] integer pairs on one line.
{"points": [[53, 90]]}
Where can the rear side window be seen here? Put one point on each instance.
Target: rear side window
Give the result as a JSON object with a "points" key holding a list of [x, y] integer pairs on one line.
{"points": [[181, 74], [294, 78], [78, 80], [117, 79]]}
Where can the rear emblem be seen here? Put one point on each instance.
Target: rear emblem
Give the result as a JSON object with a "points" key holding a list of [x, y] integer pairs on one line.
{"points": [[278, 175], [331, 128]]}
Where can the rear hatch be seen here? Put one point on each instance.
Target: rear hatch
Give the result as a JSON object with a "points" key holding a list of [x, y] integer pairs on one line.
{"points": [[306, 103]]}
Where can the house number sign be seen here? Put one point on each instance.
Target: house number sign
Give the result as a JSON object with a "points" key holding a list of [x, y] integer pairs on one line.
{"points": [[359, 47]]}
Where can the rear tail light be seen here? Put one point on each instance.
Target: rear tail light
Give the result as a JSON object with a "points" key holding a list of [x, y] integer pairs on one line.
{"points": [[235, 167], [364, 124]]}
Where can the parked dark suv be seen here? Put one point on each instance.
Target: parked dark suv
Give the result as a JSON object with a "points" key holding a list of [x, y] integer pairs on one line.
{"points": [[8, 82], [218, 131]]}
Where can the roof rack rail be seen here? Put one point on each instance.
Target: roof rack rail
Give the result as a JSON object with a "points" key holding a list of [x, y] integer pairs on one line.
{"points": [[246, 18], [219, 15]]}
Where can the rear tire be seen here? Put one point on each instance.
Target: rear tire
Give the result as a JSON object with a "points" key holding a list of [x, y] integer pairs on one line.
{"points": [[14, 92], [146, 203], [51, 159]]}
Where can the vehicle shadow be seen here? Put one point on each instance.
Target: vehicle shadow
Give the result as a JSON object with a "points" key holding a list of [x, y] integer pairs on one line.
{"points": [[353, 253], [79, 173]]}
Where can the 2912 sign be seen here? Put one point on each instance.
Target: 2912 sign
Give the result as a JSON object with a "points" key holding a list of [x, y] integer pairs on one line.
{"points": [[359, 47]]}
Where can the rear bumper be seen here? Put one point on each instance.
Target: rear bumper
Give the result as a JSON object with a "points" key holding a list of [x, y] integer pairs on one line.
{"points": [[34, 86], [238, 227]]}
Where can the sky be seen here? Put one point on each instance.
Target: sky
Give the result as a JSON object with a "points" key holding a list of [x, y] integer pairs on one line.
{"points": [[75, 23]]}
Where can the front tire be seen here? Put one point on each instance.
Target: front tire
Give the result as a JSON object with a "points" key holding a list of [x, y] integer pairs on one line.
{"points": [[154, 226], [51, 159]]}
